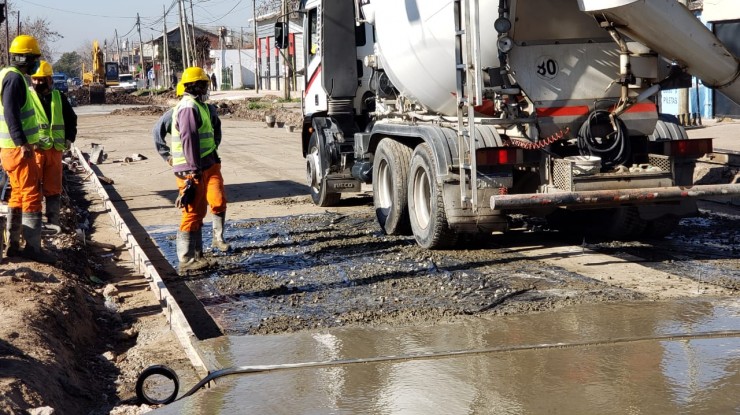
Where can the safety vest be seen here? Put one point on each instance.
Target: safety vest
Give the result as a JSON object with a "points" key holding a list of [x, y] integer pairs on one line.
{"points": [[28, 116], [50, 133], [205, 132]]}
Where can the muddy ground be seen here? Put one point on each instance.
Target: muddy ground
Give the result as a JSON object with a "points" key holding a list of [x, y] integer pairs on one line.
{"points": [[73, 337]]}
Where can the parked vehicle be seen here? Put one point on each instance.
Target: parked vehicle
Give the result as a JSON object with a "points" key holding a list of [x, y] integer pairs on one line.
{"points": [[60, 82], [126, 82], [551, 111]]}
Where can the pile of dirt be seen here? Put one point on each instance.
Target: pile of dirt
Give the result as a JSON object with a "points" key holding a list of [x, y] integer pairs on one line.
{"points": [[68, 337], [81, 96]]}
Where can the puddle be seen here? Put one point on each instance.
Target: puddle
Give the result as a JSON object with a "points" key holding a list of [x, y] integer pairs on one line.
{"points": [[641, 375]]}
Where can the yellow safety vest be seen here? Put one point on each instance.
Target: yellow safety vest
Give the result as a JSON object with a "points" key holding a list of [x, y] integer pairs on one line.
{"points": [[28, 116], [205, 132], [50, 133]]}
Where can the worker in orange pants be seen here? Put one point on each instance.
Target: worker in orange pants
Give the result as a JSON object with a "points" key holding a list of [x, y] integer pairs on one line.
{"points": [[57, 126], [197, 168], [19, 133]]}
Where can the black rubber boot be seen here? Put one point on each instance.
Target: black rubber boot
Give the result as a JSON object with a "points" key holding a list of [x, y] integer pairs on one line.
{"points": [[218, 232], [189, 260], [14, 227], [32, 234], [53, 205]]}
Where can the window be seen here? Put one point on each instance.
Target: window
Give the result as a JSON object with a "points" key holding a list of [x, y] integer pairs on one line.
{"points": [[313, 32]]}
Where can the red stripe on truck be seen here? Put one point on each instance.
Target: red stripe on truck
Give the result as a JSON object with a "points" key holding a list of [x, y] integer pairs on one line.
{"points": [[580, 110]]}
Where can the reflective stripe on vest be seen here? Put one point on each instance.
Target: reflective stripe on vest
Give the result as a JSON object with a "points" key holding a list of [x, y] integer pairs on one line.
{"points": [[28, 115], [205, 131], [50, 133]]}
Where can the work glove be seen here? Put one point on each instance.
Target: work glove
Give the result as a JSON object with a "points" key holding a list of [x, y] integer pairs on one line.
{"points": [[187, 196]]}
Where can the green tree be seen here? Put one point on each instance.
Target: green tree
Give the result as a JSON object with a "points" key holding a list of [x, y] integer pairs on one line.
{"points": [[69, 63]]}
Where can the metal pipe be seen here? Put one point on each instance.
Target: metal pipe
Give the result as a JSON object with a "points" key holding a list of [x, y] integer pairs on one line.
{"points": [[692, 45], [611, 197]]}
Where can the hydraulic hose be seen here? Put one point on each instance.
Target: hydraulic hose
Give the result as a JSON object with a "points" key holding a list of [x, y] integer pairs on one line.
{"points": [[613, 148]]}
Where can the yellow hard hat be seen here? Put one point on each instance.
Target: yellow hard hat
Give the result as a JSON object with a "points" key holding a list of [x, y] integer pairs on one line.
{"points": [[180, 89], [44, 70], [194, 74], [25, 45]]}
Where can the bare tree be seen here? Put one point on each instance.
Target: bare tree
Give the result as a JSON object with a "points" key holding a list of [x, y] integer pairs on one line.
{"points": [[37, 27], [272, 6]]}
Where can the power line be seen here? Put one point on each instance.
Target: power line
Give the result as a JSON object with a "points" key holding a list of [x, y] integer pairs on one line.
{"points": [[79, 13]]}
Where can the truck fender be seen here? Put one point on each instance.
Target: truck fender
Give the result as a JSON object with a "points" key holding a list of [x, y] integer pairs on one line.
{"points": [[440, 140]]}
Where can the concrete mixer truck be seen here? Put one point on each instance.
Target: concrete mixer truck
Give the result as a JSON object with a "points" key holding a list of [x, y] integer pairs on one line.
{"points": [[462, 113]]}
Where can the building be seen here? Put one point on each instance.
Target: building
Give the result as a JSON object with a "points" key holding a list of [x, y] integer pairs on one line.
{"points": [[273, 63]]}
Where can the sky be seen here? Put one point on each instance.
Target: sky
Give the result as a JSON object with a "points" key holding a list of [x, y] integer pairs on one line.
{"points": [[82, 21]]}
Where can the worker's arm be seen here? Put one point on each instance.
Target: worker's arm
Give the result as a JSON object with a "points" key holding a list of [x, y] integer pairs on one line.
{"points": [[14, 97], [216, 123], [188, 121], [159, 132], [70, 119]]}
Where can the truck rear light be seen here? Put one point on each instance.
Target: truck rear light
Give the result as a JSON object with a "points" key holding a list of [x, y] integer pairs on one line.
{"points": [[688, 148], [498, 156]]}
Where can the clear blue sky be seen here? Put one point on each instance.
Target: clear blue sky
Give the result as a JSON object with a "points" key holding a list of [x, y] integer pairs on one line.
{"points": [[82, 21]]}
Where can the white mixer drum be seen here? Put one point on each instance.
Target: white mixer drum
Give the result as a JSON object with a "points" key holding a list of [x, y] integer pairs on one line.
{"points": [[416, 42]]}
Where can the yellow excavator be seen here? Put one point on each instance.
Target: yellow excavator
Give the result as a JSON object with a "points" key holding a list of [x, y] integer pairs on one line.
{"points": [[103, 74]]}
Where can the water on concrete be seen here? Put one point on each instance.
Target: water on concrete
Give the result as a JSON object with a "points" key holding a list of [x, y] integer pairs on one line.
{"points": [[634, 375]]}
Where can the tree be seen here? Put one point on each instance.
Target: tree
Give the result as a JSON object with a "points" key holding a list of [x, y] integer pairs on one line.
{"points": [[70, 63], [272, 6], [39, 28], [202, 49]]}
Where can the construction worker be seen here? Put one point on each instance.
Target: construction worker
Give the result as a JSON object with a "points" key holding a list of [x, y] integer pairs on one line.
{"points": [[57, 125], [19, 133], [215, 194], [197, 169]]}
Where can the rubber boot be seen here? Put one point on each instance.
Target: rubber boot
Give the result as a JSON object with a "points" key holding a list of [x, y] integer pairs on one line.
{"points": [[198, 243], [186, 254], [53, 205], [32, 235], [218, 232], [14, 226]]}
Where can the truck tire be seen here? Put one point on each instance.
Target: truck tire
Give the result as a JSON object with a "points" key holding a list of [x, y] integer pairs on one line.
{"points": [[390, 181], [426, 205], [661, 227], [317, 183], [668, 128]]}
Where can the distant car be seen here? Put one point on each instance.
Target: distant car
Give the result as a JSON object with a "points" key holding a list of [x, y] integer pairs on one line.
{"points": [[76, 81], [126, 82], [60, 82]]}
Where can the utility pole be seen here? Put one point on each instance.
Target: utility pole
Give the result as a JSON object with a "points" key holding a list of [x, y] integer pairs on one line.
{"points": [[118, 48], [183, 37], [683, 94], [191, 53], [195, 45], [141, 45], [165, 47], [254, 45], [7, 33], [286, 82], [239, 55]]}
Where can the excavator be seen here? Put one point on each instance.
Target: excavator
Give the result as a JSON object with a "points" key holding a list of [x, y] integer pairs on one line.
{"points": [[103, 74]]}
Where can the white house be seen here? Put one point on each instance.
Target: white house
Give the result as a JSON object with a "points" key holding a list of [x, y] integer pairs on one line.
{"points": [[234, 66]]}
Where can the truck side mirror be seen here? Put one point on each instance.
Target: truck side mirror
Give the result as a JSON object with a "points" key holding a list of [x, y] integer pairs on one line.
{"points": [[281, 35]]}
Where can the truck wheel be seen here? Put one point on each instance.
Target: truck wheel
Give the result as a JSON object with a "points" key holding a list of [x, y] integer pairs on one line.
{"points": [[661, 227], [426, 205], [390, 181], [314, 176], [668, 128]]}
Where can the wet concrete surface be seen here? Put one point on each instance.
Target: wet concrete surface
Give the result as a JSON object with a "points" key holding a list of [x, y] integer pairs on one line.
{"points": [[582, 360], [336, 270]]}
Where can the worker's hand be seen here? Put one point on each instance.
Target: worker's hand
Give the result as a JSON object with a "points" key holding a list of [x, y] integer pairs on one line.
{"points": [[187, 195], [27, 150], [169, 160]]}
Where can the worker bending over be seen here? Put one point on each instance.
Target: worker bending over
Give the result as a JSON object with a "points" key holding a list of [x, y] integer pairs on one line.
{"points": [[19, 133], [57, 125], [197, 169]]}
